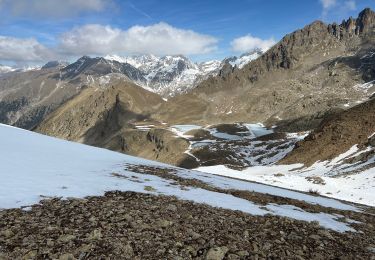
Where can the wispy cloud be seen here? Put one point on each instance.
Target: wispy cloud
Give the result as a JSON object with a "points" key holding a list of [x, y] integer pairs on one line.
{"points": [[132, 6], [336, 7], [327, 5], [52, 8]]}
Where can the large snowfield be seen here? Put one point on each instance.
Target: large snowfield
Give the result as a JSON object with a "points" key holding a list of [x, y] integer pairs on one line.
{"points": [[34, 167]]}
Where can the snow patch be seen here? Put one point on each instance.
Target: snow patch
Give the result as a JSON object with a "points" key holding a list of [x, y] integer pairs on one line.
{"points": [[33, 167]]}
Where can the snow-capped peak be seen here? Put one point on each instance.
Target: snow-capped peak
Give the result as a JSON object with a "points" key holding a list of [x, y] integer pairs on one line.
{"points": [[170, 74], [139, 62], [173, 74], [210, 66], [244, 59], [6, 69]]}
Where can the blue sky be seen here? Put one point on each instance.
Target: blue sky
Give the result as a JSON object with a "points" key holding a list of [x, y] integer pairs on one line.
{"points": [[33, 31]]}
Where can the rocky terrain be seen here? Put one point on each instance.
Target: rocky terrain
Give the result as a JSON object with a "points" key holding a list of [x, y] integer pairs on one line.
{"points": [[139, 226], [27, 97]]}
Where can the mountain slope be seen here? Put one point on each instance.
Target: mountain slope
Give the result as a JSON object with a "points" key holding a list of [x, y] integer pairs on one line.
{"points": [[309, 72], [26, 98], [97, 114], [337, 134]]}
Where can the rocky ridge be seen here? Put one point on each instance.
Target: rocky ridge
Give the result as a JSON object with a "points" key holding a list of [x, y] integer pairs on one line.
{"points": [[308, 73]]}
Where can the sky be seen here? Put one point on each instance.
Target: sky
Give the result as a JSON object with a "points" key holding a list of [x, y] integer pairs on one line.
{"points": [[36, 31]]}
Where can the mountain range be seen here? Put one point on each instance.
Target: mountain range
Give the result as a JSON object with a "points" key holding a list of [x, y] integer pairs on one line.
{"points": [[312, 71], [266, 155], [28, 95], [130, 104]]}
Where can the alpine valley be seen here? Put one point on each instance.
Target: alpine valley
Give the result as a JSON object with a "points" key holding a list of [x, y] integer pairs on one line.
{"points": [[282, 138]]}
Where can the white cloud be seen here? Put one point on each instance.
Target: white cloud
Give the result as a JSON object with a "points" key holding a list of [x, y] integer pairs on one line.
{"points": [[23, 50], [350, 5], [327, 4], [249, 43], [337, 7], [52, 8], [158, 39], [94, 39]]}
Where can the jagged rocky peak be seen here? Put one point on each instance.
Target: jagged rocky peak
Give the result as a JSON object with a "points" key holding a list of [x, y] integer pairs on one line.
{"points": [[86, 62], [366, 20], [84, 59], [99, 66], [313, 38], [354, 26]]}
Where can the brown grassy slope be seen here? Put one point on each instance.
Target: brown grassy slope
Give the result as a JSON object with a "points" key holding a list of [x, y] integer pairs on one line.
{"points": [[335, 135], [99, 113]]}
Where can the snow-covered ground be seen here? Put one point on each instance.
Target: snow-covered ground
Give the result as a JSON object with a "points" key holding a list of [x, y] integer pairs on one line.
{"points": [[33, 167], [330, 178]]}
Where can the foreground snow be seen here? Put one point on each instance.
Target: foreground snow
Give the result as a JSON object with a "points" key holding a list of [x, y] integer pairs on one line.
{"points": [[33, 167]]}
